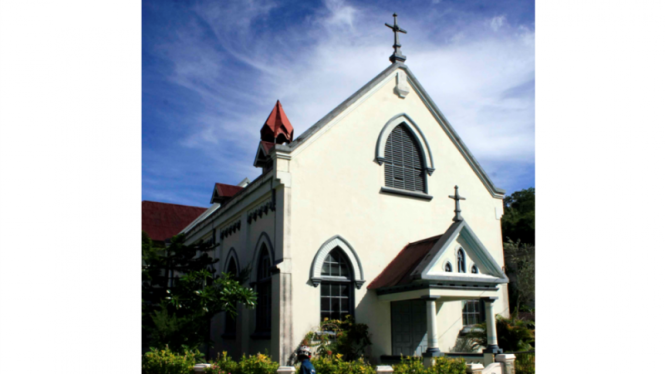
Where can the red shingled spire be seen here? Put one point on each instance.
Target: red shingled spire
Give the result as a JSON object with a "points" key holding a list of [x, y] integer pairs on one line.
{"points": [[277, 128]]}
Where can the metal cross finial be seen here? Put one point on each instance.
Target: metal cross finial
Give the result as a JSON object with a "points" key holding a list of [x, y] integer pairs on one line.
{"points": [[397, 54], [457, 198]]}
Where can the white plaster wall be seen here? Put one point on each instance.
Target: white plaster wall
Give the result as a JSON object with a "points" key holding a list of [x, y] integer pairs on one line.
{"points": [[244, 242], [335, 191]]}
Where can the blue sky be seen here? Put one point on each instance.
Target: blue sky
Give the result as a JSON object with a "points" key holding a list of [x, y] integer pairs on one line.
{"points": [[212, 71]]}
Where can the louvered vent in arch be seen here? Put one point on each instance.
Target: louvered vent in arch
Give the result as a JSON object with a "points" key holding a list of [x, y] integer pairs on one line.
{"points": [[403, 161]]}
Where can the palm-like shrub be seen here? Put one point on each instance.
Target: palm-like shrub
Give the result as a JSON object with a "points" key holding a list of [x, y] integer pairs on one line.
{"points": [[513, 334]]}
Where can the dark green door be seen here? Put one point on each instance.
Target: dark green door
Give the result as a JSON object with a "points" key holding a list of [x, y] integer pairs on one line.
{"points": [[409, 327]]}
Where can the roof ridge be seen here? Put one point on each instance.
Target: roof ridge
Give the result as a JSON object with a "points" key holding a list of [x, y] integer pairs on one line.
{"points": [[161, 202]]}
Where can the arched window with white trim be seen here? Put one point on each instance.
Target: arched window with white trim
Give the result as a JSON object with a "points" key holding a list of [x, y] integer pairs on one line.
{"points": [[336, 286], [461, 261], [404, 168]]}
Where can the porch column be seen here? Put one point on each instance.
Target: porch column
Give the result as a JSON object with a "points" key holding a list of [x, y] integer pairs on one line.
{"points": [[432, 340], [492, 342]]}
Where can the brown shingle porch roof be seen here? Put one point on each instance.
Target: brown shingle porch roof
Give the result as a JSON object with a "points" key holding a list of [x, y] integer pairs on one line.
{"points": [[398, 270]]}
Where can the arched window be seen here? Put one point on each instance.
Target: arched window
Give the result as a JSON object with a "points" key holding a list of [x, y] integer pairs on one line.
{"points": [[336, 286], [461, 261], [404, 167], [474, 269], [229, 321], [448, 267], [264, 291]]}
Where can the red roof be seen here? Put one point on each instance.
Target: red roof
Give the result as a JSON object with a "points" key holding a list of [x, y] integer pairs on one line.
{"points": [[162, 221], [267, 146], [277, 128], [226, 190], [398, 270]]}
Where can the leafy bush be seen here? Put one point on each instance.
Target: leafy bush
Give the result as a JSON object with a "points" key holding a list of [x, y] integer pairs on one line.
{"points": [[525, 363], [258, 364], [513, 334], [165, 361], [334, 364], [340, 337], [442, 365]]}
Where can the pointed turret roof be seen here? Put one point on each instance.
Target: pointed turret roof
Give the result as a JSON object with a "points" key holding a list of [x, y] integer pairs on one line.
{"points": [[277, 128]]}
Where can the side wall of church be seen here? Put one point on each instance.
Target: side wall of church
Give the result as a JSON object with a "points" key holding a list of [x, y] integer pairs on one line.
{"points": [[336, 191], [244, 243]]}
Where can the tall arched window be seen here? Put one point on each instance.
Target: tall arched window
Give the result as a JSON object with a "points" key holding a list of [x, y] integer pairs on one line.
{"points": [[229, 321], [337, 286], [264, 291], [404, 167], [461, 261]]}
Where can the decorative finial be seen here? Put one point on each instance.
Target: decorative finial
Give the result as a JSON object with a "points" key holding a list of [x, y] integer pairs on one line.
{"points": [[457, 198], [397, 54]]}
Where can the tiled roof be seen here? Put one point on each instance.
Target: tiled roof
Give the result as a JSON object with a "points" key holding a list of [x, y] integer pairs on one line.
{"points": [[226, 190], [398, 270], [162, 221], [277, 124], [267, 146]]}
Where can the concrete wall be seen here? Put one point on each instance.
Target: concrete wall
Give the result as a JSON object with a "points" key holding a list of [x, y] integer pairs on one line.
{"points": [[335, 191]]}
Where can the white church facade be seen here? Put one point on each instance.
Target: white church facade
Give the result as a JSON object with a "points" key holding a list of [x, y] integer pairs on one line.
{"points": [[360, 215]]}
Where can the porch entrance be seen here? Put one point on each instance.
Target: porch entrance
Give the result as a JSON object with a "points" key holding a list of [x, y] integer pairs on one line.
{"points": [[408, 322]]}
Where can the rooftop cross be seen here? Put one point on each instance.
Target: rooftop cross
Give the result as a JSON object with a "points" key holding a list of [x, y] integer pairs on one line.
{"points": [[457, 198], [397, 54]]}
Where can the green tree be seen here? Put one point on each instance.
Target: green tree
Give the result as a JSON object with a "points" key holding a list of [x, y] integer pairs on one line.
{"points": [[181, 293], [519, 216], [521, 268]]}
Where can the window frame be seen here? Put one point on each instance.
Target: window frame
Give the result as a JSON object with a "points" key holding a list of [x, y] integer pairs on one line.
{"points": [[461, 260], [419, 170], [480, 312], [331, 280], [230, 333], [263, 314]]}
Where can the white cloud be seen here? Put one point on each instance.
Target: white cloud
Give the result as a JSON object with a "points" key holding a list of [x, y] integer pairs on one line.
{"points": [[497, 22], [480, 80]]}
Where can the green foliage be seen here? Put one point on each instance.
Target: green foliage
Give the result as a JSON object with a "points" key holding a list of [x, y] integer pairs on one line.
{"points": [[521, 264], [335, 337], [335, 364], [442, 365], [525, 363], [513, 334], [181, 293], [519, 216], [165, 361], [258, 364]]}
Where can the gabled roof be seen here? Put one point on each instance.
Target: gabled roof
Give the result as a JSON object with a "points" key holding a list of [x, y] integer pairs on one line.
{"points": [[262, 157], [277, 127], [162, 221], [224, 192], [414, 262], [398, 270], [494, 191]]}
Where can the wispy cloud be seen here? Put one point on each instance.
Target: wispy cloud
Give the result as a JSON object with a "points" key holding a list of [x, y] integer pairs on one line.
{"points": [[237, 58]]}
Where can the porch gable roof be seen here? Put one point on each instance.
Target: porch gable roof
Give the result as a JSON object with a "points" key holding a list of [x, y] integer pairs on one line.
{"points": [[413, 264]]}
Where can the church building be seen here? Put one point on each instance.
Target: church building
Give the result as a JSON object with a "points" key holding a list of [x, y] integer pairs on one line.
{"points": [[378, 211]]}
